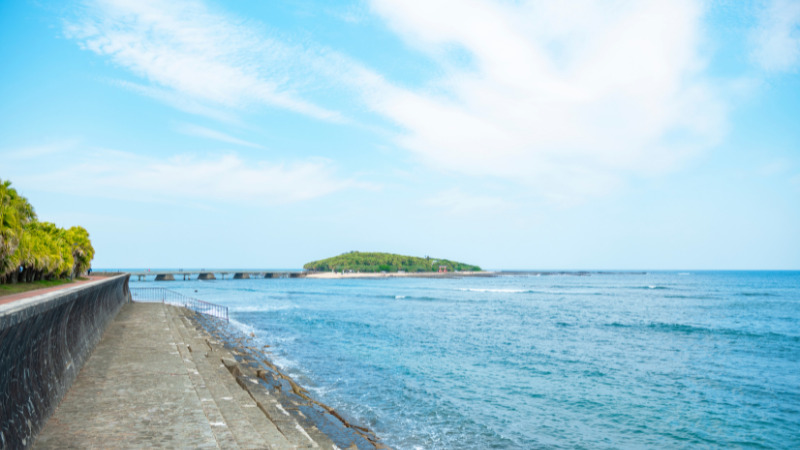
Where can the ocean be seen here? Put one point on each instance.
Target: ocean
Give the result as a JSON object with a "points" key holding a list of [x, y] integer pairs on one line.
{"points": [[606, 360]]}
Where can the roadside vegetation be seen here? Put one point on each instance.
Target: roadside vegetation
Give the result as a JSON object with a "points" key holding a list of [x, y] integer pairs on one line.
{"points": [[16, 288], [386, 262], [32, 251]]}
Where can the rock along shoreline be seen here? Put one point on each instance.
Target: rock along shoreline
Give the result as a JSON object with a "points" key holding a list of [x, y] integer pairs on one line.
{"points": [[279, 397]]}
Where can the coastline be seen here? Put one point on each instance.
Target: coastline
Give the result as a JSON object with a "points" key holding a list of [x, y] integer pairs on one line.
{"points": [[165, 376], [277, 395]]}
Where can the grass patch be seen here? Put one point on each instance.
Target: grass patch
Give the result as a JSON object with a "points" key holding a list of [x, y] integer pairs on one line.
{"points": [[8, 289]]}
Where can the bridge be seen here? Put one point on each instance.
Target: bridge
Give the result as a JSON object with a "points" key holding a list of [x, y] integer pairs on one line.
{"points": [[203, 274]]}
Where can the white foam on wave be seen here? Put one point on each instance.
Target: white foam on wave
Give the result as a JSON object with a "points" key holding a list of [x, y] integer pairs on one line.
{"points": [[320, 391], [246, 329], [499, 291], [262, 308], [398, 297], [285, 364]]}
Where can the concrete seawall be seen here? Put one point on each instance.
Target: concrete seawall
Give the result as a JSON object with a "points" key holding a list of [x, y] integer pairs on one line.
{"points": [[44, 341]]}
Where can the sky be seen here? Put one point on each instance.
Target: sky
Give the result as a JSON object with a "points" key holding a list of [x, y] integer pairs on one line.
{"points": [[591, 134]]}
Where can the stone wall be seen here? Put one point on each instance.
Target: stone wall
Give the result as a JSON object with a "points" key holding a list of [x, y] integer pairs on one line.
{"points": [[44, 341]]}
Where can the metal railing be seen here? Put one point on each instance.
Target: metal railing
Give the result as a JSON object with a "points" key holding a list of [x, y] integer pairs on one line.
{"points": [[163, 295]]}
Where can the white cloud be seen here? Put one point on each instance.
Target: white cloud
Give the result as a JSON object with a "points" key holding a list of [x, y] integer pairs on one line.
{"points": [[198, 131], [179, 101], [795, 181], [354, 14], [776, 38], [774, 167], [456, 202], [567, 98], [186, 48], [38, 151], [228, 178]]}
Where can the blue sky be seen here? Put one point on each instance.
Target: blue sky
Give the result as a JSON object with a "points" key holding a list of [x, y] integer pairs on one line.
{"points": [[509, 134]]}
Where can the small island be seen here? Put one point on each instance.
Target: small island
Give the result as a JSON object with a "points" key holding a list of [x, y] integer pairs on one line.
{"points": [[375, 263]]}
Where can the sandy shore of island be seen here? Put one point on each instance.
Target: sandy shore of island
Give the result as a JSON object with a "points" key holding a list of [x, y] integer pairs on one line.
{"points": [[339, 275]]}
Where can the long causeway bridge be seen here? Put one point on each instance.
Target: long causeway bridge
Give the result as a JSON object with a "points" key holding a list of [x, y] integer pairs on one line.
{"points": [[202, 274]]}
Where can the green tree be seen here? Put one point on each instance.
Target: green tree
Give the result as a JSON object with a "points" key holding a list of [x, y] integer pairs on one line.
{"points": [[82, 250], [15, 214], [32, 250], [44, 252], [388, 262]]}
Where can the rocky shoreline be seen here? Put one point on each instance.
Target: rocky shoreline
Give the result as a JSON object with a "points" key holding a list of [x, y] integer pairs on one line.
{"points": [[279, 397]]}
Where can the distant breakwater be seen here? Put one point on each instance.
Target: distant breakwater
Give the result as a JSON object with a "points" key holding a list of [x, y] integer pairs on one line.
{"points": [[44, 341]]}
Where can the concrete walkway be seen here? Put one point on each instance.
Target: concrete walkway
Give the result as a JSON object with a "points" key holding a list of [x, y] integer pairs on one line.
{"points": [[149, 383]]}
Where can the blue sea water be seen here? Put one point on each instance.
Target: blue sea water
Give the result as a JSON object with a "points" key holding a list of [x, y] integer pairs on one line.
{"points": [[664, 359]]}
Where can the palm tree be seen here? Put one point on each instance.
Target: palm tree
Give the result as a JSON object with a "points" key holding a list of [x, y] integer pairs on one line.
{"points": [[31, 250], [15, 214], [82, 250]]}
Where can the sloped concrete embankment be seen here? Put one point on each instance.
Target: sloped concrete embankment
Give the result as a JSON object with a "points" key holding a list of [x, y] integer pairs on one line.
{"points": [[157, 379], [305, 422], [44, 341]]}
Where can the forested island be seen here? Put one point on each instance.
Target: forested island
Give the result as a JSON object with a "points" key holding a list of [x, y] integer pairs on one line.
{"points": [[31, 250], [372, 262]]}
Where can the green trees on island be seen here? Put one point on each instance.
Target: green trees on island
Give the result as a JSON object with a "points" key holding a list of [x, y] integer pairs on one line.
{"points": [[386, 262], [31, 250]]}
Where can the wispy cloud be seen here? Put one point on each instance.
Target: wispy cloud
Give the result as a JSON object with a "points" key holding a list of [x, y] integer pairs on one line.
{"points": [[776, 38], [38, 151], [227, 178], [775, 167], [201, 54], [353, 13], [456, 202], [565, 98], [795, 182], [180, 101], [198, 131]]}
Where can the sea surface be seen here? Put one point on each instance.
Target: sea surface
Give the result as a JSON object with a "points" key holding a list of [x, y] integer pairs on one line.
{"points": [[662, 359]]}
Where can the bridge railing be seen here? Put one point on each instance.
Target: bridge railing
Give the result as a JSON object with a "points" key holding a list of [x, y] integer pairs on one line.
{"points": [[170, 297]]}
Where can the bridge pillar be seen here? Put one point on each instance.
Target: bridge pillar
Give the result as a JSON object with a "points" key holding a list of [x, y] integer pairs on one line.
{"points": [[206, 276], [165, 277], [241, 276]]}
